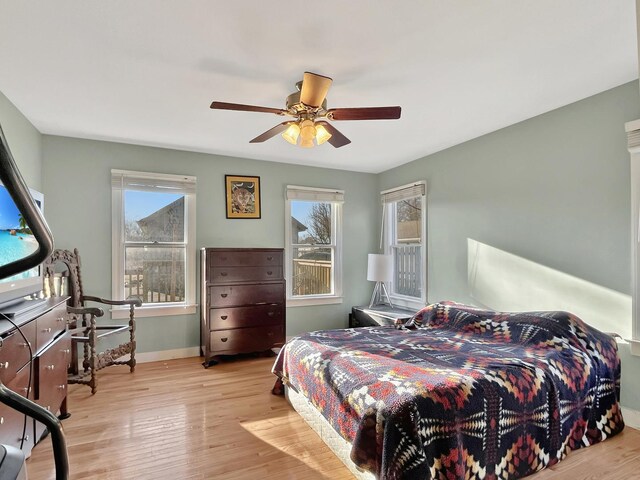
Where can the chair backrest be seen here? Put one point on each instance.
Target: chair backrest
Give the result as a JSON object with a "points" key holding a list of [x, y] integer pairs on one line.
{"points": [[72, 262]]}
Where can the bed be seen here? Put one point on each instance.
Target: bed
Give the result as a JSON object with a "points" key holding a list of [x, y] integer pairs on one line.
{"points": [[457, 393]]}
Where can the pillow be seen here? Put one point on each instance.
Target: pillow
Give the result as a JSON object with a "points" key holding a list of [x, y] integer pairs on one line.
{"points": [[422, 315]]}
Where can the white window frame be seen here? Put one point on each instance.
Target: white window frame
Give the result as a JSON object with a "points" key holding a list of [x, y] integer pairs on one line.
{"points": [[161, 182], [389, 199], [312, 194]]}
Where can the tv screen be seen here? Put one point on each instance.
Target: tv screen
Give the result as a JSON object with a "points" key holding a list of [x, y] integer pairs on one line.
{"points": [[16, 242]]}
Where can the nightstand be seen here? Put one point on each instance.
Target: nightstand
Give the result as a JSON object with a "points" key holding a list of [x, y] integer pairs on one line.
{"points": [[378, 315]]}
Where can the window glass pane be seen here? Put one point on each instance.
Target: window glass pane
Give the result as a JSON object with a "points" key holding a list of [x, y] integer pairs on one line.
{"points": [[153, 216], [155, 274], [311, 222], [408, 270], [409, 220], [311, 270]]}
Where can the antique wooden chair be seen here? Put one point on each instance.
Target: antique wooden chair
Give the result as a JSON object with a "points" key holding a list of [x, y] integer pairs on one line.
{"points": [[83, 325]]}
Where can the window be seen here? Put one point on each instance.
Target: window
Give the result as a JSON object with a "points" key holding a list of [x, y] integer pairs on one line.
{"points": [[313, 251], [153, 241], [404, 216]]}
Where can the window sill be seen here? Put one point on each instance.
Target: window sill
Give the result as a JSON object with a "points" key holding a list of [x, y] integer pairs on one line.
{"points": [[407, 302], [309, 301], [155, 311], [634, 347]]}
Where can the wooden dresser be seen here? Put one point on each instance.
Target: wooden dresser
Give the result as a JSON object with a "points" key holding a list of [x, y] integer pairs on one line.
{"points": [[242, 301], [44, 328]]}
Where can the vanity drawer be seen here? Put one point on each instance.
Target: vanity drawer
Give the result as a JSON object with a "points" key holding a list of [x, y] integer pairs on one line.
{"points": [[246, 340], [14, 351], [245, 274], [238, 295], [244, 258], [238, 317], [12, 421], [51, 373], [50, 325]]}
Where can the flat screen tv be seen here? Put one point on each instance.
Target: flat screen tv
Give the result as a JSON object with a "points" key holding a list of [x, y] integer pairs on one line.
{"points": [[16, 242]]}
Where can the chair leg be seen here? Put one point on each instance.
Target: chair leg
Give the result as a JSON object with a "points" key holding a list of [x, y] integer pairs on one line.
{"points": [[93, 359], [132, 339], [86, 364]]}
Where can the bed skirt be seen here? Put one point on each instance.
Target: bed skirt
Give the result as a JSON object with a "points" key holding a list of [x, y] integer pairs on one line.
{"points": [[338, 445]]}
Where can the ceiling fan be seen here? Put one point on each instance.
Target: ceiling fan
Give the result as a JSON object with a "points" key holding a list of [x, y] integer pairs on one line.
{"points": [[308, 107]]}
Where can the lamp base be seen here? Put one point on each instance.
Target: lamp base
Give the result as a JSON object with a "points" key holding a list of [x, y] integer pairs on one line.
{"points": [[377, 297]]}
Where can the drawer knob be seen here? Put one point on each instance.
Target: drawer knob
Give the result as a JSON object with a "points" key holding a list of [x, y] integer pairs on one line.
{"points": [[25, 438], [223, 274], [224, 317], [61, 387], [269, 258], [25, 390], [1, 420], [269, 334], [50, 367], [4, 365], [46, 330], [25, 345], [224, 339], [66, 351], [224, 295], [271, 314], [269, 272]]}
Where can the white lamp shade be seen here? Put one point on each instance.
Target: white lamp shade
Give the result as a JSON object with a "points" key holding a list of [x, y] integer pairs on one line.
{"points": [[380, 268]]}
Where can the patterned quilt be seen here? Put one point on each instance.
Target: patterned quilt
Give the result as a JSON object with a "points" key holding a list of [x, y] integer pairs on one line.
{"points": [[461, 393]]}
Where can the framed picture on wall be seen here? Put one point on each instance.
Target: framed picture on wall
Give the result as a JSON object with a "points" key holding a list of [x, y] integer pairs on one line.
{"points": [[243, 196]]}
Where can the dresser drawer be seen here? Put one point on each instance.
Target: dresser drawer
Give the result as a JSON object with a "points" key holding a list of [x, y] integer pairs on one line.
{"points": [[244, 258], [14, 351], [12, 421], [50, 325], [51, 374], [251, 294], [246, 340], [237, 317], [245, 274]]}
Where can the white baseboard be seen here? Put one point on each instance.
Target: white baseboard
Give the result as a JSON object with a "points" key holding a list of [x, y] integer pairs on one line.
{"points": [[146, 357], [631, 417]]}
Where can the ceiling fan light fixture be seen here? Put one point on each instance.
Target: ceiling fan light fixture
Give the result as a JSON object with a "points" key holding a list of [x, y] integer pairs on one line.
{"points": [[307, 133], [306, 142], [291, 133], [322, 135]]}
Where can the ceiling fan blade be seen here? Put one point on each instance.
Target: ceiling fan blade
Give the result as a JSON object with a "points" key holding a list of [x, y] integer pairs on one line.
{"points": [[314, 89], [364, 113], [337, 139], [246, 108], [272, 132]]}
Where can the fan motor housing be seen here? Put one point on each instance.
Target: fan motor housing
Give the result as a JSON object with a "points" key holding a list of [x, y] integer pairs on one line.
{"points": [[294, 103]]}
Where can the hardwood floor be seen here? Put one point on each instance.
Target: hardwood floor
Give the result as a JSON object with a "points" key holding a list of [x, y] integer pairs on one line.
{"points": [[175, 420]]}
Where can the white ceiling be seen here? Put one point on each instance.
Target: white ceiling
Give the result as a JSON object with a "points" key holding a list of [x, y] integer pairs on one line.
{"points": [[145, 71]]}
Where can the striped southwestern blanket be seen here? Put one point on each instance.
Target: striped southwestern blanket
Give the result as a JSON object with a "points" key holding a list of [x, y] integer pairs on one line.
{"points": [[461, 393]]}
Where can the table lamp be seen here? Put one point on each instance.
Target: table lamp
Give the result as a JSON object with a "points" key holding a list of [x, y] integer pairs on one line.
{"points": [[380, 270]]}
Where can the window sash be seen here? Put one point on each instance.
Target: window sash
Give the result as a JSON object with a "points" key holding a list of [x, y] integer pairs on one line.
{"points": [[331, 278], [331, 245]]}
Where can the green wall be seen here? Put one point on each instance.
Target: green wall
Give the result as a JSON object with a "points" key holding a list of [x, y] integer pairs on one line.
{"points": [[25, 142], [78, 196], [553, 189]]}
